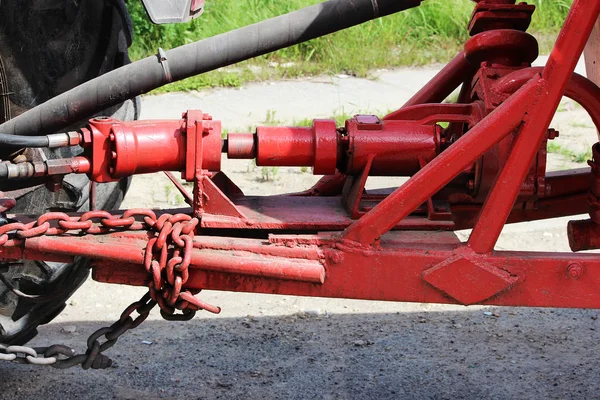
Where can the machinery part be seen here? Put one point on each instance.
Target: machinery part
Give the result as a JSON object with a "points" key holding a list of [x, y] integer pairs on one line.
{"points": [[48, 141], [585, 234], [164, 12], [116, 149], [61, 166], [199, 57], [395, 146], [48, 47]]}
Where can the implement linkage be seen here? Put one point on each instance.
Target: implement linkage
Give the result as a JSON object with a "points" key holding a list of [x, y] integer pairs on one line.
{"points": [[166, 259]]}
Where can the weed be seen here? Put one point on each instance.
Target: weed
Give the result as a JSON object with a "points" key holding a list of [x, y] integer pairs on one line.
{"points": [[269, 173], [178, 200], [304, 170], [270, 119], [581, 125], [168, 190], [306, 123], [578, 157]]}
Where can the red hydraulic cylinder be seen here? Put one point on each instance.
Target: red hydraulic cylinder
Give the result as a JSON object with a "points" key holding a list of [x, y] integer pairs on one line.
{"points": [[150, 146], [117, 149], [398, 148]]}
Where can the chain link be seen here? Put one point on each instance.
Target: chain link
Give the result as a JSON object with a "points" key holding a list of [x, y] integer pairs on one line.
{"points": [[170, 274], [167, 258]]}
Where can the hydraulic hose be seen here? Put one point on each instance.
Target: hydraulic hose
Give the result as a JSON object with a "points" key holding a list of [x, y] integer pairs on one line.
{"points": [[46, 141], [196, 58], [23, 141]]}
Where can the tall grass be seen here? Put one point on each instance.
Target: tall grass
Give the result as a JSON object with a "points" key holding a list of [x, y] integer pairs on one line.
{"points": [[430, 33]]}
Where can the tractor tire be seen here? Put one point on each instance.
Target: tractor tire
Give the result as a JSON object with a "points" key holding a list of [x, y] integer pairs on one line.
{"points": [[46, 48]]}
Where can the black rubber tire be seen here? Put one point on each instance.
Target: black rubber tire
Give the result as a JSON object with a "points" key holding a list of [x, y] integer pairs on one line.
{"points": [[46, 48]]}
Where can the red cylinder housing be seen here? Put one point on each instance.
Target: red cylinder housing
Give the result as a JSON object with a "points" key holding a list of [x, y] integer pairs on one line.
{"points": [[298, 147], [148, 146], [397, 147], [118, 149]]}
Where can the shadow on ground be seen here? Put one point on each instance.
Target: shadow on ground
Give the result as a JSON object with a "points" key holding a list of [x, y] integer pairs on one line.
{"points": [[521, 353]]}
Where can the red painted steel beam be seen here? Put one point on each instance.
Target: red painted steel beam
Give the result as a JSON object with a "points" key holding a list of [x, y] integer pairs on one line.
{"points": [[394, 272], [555, 78], [130, 249], [441, 170]]}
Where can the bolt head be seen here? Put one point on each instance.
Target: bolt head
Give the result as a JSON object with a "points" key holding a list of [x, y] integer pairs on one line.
{"points": [[553, 134], [574, 271]]}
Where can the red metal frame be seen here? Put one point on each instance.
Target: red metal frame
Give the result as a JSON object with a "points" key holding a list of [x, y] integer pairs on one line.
{"points": [[485, 169]]}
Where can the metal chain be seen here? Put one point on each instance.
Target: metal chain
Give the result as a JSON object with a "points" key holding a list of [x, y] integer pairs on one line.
{"points": [[167, 259], [170, 272], [62, 357]]}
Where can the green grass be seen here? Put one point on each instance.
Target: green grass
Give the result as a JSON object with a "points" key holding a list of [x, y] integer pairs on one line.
{"points": [[433, 32], [580, 157]]}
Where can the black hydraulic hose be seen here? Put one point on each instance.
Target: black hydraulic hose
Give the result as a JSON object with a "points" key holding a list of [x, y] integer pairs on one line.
{"points": [[196, 58], [23, 141]]}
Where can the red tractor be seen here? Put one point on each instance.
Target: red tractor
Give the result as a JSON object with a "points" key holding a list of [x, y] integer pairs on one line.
{"points": [[478, 163]]}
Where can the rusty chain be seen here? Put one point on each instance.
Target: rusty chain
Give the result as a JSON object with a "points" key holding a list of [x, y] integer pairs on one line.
{"points": [[167, 259]]}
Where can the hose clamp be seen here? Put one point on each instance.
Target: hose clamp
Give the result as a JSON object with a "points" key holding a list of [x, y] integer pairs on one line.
{"points": [[375, 8], [162, 58]]}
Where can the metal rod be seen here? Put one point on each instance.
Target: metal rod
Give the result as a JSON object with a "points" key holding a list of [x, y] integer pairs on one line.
{"points": [[443, 83], [129, 251]]}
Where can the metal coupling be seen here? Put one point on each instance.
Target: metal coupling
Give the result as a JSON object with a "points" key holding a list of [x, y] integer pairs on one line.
{"points": [[64, 139]]}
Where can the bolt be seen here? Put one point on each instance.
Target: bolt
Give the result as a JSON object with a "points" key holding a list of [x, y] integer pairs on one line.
{"points": [[111, 137], [471, 184], [111, 170], [575, 271], [113, 155], [552, 134]]}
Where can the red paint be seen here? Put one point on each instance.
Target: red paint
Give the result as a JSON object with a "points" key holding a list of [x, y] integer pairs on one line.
{"points": [[485, 169]]}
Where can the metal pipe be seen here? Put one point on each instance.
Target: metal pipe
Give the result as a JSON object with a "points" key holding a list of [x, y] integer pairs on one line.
{"points": [[196, 58], [443, 83], [234, 262]]}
